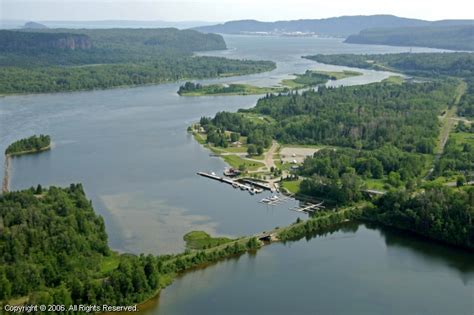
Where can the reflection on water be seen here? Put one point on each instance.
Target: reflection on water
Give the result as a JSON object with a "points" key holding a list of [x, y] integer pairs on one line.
{"points": [[355, 269]]}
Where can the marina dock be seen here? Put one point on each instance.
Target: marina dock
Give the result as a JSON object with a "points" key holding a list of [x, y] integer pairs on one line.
{"points": [[233, 183]]}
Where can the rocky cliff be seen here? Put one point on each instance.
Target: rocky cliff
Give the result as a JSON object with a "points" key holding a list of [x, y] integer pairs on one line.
{"points": [[19, 41]]}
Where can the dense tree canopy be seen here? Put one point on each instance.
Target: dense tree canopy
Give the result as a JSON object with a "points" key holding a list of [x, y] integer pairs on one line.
{"points": [[441, 213], [31, 144], [367, 117], [117, 57]]}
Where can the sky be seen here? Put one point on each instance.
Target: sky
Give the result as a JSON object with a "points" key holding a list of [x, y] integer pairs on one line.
{"points": [[225, 10]]}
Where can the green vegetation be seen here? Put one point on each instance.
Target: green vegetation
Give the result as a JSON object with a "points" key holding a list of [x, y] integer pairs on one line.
{"points": [[29, 145], [308, 79], [292, 186], [421, 64], [47, 238], [342, 174], [455, 37], [192, 89], [458, 155], [113, 58], [367, 117], [312, 78], [48, 235], [237, 162], [442, 214], [394, 79], [202, 240], [318, 223]]}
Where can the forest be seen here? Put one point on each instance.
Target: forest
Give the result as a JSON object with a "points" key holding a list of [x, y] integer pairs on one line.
{"points": [[366, 117], [455, 37], [382, 135], [47, 235], [442, 214], [29, 145], [340, 175], [116, 57], [458, 64]]}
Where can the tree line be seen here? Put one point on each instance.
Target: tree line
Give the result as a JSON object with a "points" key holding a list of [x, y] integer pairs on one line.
{"points": [[31, 144]]}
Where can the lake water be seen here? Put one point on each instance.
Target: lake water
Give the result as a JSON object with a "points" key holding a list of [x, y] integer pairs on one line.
{"points": [[130, 149], [355, 270]]}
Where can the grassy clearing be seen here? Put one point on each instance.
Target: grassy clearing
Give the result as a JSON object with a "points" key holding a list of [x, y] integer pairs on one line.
{"points": [[313, 78], [235, 161], [338, 75], [292, 186], [232, 89], [462, 138], [109, 263], [376, 184], [394, 79], [202, 240]]}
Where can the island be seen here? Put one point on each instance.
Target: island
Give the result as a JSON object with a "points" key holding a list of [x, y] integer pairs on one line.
{"points": [[310, 78], [196, 89], [33, 144]]}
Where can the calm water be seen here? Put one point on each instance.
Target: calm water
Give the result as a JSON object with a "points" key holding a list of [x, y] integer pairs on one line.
{"points": [[130, 149], [356, 270]]}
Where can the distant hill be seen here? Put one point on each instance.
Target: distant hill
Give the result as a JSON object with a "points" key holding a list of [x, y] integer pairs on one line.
{"points": [[338, 26], [438, 35], [19, 41], [112, 43], [34, 25]]}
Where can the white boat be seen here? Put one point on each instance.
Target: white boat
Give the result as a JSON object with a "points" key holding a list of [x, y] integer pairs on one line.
{"points": [[270, 199]]}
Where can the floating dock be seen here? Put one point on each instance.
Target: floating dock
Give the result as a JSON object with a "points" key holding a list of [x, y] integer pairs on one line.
{"points": [[309, 207], [233, 183], [257, 184]]}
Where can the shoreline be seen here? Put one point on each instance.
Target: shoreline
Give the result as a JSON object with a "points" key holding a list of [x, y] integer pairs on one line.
{"points": [[6, 175], [131, 86], [7, 165]]}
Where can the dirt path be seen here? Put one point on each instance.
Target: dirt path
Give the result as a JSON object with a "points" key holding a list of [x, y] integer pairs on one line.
{"points": [[6, 174], [448, 122], [450, 118], [269, 162]]}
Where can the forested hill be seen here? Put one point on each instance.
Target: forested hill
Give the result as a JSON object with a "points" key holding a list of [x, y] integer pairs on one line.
{"points": [[420, 64], [454, 37], [337, 26], [113, 43], [43, 61]]}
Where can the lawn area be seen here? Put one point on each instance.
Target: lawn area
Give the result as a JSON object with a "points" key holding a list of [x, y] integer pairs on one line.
{"points": [[259, 118], [376, 184], [109, 263], [462, 138], [313, 78], [394, 79], [292, 186], [200, 137], [235, 161], [202, 240], [232, 89]]}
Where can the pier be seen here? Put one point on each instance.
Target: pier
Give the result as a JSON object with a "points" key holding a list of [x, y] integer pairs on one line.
{"points": [[233, 183], [308, 207]]}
